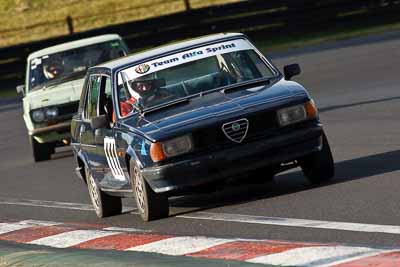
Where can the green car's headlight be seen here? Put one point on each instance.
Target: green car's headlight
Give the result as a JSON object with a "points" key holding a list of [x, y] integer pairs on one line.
{"points": [[38, 116], [51, 113]]}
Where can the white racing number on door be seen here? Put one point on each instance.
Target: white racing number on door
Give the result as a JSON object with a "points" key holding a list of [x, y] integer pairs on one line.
{"points": [[110, 150]]}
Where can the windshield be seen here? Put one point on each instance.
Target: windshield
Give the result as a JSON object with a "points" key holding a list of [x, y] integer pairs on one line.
{"points": [[192, 72], [71, 64]]}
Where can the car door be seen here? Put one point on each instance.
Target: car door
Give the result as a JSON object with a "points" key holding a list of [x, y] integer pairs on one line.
{"points": [[86, 132], [108, 144]]}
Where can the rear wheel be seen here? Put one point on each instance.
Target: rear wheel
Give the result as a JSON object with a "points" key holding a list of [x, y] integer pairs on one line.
{"points": [[151, 205], [319, 166], [104, 205], [40, 151]]}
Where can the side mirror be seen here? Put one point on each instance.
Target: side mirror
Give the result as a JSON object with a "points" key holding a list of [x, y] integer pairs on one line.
{"points": [[99, 122], [21, 89], [291, 70]]}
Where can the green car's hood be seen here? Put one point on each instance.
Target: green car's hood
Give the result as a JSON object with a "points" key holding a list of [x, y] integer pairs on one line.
{"points": [[56, 95]]}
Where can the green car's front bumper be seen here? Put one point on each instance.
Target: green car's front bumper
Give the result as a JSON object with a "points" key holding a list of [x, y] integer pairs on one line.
{"points": [[53, 133]]}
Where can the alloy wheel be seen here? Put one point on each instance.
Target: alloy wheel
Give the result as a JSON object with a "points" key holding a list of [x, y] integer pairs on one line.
{"points": [[139, 191], [94, 195]]}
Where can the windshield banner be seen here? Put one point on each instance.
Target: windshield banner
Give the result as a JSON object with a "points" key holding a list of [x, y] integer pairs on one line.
{"points": [[184, 57]]}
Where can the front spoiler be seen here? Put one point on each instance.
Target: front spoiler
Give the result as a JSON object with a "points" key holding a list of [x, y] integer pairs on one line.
{"points": [[223, 164]]}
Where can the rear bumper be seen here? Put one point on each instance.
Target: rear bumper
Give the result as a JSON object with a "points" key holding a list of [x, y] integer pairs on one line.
{"points": [[238, 159]]}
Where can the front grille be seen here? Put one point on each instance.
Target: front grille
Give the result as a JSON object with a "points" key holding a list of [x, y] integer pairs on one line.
{"points": [[68, 109], [260, 124], [65, 112], [236, 130]]}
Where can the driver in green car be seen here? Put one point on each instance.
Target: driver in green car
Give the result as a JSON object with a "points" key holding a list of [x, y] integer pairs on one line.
{"points": [[53, 69]]}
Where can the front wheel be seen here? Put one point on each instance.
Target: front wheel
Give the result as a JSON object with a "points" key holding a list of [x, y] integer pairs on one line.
{"points": [[104, 205], [319, 166], [151, 205]]}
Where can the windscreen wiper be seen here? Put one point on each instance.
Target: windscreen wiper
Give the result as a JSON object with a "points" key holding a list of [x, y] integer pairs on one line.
{"points": [[246, 84], [63, 79], [166, 105]]}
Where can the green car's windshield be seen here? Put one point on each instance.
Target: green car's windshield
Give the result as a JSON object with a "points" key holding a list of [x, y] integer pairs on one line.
{"points": [[71, 64], [199, 70]]}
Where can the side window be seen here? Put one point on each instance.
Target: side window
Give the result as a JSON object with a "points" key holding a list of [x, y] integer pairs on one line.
{"points": [[126, 99], [83, 99], [105, 99], [260, 65], [93, 97], [107, 86]]}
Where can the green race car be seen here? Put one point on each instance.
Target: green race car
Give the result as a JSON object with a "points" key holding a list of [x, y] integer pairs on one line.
{"points": [[54, 80]]}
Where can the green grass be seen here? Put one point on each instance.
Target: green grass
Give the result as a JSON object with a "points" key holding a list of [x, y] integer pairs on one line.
{"points": [[8, 93], [19, 17], [271, 43], [332, 35]]}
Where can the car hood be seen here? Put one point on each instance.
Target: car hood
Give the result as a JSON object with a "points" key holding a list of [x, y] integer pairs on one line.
{"points": [[56, 95], [211, 108]]}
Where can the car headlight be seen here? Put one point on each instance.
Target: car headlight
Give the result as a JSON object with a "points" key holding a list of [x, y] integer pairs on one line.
{"points": [[298, 113], [171, 148], [38, 116], [51, 113]]}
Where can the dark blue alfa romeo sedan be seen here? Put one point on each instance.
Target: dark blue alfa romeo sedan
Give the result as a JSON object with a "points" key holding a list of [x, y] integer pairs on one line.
{"points": [[189, 115]]}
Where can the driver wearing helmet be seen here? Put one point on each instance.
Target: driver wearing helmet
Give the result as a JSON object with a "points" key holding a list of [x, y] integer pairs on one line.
{"points": [[138, 89], [53, 69], [132, 92]]}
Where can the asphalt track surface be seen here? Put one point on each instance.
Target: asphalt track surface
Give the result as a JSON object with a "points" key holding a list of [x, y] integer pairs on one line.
{"points": [[356, 86]]}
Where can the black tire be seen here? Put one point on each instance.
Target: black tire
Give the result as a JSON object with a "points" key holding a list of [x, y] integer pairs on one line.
{"points": [[52, 148], [151, 205], [104, 205], [40, 151], [319, 166]]}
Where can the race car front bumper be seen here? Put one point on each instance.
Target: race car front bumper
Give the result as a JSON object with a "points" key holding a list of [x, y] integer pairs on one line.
{"points": [[227, 163]]}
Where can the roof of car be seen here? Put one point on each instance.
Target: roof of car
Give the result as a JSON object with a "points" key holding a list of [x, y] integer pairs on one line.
{"points": [[73, 45], [175, 47]]}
